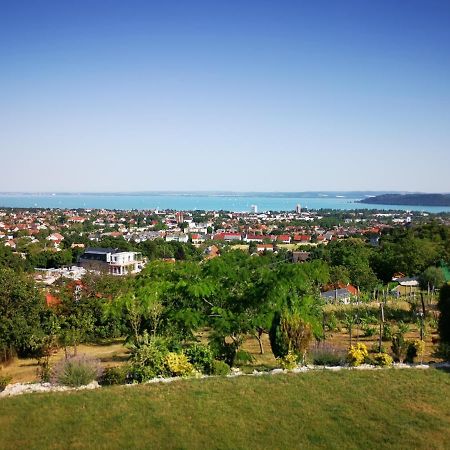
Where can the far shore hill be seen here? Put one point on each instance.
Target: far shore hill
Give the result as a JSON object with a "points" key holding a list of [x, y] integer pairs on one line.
{"points": [[409, 199]]}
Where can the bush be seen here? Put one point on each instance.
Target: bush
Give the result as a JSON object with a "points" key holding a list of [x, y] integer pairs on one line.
{"points": [[243, 357], [76, 371], [444, 317], [327, 355], [290, 332], [357, 354], [289, 361], [148, 359], [443, 351], [4, 381], [376, 348], [399, 343], [178, 365], [220, 368], [201, 357], [224, 351], [331, 323], [369, 331], [382, 359], [387, 332], [114, 375], [415, 349]]}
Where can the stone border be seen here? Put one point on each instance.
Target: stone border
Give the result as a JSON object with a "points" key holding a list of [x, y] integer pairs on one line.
{"points": [[29, 388]]}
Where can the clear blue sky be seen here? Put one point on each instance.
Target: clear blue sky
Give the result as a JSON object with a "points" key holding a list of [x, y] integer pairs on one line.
{"points": [[224, 95]]}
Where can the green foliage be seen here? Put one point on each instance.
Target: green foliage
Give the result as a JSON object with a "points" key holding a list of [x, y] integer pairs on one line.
{"points": [[4, 381], [416, 349], [220, 368], [399, 343], [201, 357], [369, 331], [381, 359], [148, 358], [443, 351], [114, 376], [22, 314], [444, 317], [432, 277], [387, 332], [243, 357], [288, 361], [331, 322], [76, 371], [292, 332]]}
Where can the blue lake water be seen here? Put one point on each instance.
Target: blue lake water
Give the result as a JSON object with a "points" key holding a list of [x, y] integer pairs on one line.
{"points": [[238, 203]]}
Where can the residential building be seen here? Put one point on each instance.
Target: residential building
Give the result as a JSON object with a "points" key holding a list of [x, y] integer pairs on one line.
{"points": [[112, 261]]}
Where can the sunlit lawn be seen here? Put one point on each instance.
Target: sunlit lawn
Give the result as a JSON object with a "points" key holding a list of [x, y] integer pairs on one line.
{"points": [[388, 408]]}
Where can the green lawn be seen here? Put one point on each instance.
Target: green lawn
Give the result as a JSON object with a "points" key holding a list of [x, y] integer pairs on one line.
{"points": [[349, 409]]}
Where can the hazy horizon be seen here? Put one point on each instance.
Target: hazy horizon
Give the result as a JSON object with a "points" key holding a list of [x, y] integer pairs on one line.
{"points": [[245, 96]]}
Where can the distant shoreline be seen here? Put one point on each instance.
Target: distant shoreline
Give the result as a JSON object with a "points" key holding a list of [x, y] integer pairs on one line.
{"points": [[275, 194], [408, 200]]}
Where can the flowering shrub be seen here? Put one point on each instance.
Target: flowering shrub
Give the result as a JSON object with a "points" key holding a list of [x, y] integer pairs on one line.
{"points": [[357, 354], [289, 361], [327, 355], [178, 364], [382, 359]]}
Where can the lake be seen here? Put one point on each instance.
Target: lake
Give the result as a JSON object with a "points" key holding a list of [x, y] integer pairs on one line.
{"points": [[229, 202]]}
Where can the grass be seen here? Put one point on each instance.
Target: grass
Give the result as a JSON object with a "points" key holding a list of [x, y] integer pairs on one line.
{"points": [[350, 409]]}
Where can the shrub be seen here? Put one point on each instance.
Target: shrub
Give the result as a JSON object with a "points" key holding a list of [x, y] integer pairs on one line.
{"points": [[387, 332], [289, 361], [376, 348], [148, 359], [114, 375], [220, 368], [399, 343], [369, 331], [76, 371], [327, 355], [443, 351], [331, 323], [4, 381], [444, 317], [224, 351], [357, 354], [243, 357], [290, 332], [178, 365], [201, 357], [382, 359], [415, 349]]}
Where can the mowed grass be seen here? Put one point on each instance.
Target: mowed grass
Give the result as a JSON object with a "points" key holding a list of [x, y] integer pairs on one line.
{"points": [[350, 409]]}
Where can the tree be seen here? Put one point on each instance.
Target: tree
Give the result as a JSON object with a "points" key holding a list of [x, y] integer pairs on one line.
{"points": [[444, 317], [431, 278], [22, 311]]}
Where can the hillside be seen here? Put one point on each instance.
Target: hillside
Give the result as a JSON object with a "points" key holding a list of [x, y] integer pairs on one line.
{"points": [[409, 199], [351, 409]]}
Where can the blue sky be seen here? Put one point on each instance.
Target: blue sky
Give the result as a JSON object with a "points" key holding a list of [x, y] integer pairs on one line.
{"points": [[237, 95]]}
